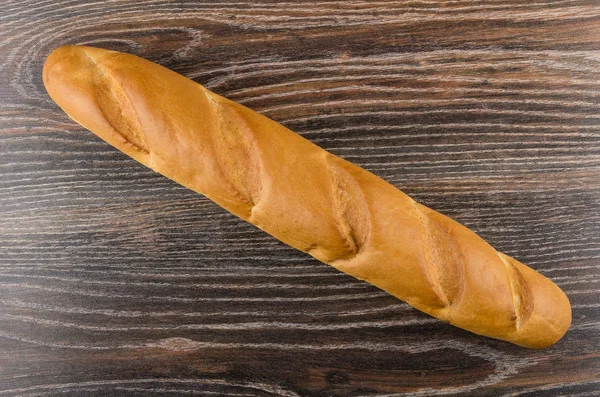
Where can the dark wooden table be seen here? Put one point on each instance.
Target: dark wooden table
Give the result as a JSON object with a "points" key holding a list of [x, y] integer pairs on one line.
{"points": [[117, 282]]}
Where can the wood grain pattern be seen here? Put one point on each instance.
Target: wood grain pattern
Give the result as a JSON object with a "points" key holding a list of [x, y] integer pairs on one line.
{"points": [[115, 281]]}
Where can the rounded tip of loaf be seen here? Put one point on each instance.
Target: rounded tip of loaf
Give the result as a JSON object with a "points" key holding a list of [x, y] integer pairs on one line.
{"points": [[67, 75], [71, 76], [550, 317]]}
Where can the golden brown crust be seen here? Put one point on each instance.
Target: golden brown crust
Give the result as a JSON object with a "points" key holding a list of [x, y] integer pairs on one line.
{"points": [[304, 196]]}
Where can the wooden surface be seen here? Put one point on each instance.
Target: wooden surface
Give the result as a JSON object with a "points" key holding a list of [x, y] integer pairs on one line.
{"points": [[116, 281]]}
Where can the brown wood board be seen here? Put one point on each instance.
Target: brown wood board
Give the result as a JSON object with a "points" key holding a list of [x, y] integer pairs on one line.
{"points": [[116, 281]]}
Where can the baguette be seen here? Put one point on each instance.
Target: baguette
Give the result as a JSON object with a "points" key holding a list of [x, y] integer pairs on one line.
{"points": [[305, 196]]}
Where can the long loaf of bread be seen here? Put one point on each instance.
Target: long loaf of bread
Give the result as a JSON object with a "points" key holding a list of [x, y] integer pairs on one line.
{"points": [[305, 196]]}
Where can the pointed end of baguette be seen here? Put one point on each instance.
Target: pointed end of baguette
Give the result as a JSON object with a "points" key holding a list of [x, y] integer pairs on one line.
{"points": [[70, 76], [551, 313]]}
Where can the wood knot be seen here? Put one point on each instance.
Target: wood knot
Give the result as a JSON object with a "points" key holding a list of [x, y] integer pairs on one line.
{"points": [[177, 344]]}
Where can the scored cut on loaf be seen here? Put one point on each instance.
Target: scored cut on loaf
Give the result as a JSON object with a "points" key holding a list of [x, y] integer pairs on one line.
{"points": [[305, 196]]}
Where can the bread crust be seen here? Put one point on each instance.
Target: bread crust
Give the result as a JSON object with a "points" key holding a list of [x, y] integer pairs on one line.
{"points": [[305, 196]]}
